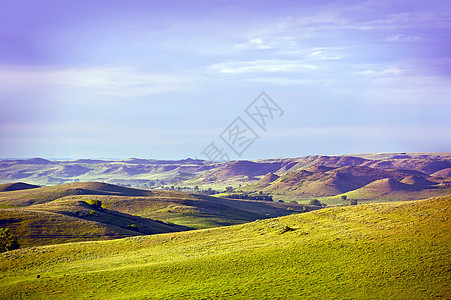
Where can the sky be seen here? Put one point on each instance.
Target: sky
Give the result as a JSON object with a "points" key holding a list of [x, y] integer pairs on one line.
{"points": [[178, 79]]}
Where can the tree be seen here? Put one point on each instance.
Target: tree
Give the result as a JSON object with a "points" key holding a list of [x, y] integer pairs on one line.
{"points": [[353, 202], [229, 189], [344, 197], [315, 202], [7, 240]]}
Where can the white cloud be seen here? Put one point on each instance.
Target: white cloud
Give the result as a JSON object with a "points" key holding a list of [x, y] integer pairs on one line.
{"points": [[323, 55], [388, 71], [280, 81], [263, 66], [254, 44], [103, 80], [403, 38]]}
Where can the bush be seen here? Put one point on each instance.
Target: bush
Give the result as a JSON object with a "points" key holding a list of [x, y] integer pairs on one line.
{"points": [[96, 204], [315, 202], [353, 202], [7, 240], [132, 227]]}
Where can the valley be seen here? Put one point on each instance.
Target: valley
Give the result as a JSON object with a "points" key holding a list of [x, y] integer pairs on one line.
{"points": [[363, 226]]}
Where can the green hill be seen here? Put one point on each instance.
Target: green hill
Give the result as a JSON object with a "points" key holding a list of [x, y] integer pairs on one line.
{"points": [[195, 211], [49, 193], [35, 228], [68, 221], [56, 214], [397, 250], [6, 187]]}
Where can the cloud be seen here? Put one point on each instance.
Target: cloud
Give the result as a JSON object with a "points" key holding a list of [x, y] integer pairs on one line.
{"points": [[324, 55], [280, 80], [382, 72], [263, 66], [403, 38], [253, 44], [101, 80]]}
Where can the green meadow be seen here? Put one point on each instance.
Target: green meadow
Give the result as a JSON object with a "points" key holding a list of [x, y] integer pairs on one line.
{"points": [[397, 250]]}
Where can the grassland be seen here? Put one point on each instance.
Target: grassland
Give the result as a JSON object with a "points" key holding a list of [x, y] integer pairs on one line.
{"points": [[397, 250], [56, 214]]}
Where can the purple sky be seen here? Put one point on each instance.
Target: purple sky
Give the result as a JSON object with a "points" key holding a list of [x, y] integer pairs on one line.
{"points": [[163, 79]]}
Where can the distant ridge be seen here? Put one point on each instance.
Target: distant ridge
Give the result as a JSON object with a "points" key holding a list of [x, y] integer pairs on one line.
{"points": [[299, 178], [6, 187]]}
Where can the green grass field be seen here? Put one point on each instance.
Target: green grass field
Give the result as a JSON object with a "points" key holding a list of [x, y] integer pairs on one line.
{"points": [[57, 214], [394, 250]]}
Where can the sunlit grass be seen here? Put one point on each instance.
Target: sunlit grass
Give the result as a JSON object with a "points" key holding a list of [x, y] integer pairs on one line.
{"points": [[386, 251]]}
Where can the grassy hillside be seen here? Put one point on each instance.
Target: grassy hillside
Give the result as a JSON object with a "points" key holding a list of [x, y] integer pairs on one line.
{"points": [[49, 193], [35, 228], [50, 215], [6, 187], [195, 211], [67, 221], [378, 251]]}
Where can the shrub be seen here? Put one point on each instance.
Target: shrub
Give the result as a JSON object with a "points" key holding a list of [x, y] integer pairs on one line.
{"points": [[315, 202], [132, 227], [7, 240], [353, 202], [96, 204]]}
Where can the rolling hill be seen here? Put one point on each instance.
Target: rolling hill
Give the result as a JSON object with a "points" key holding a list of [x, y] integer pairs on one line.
{"points": [[56, 214], [361, 182], [300, 178], [397, 250], [15, 186]]}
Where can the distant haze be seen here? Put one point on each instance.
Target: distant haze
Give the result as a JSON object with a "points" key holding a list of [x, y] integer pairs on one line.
{"points": [[163, 79]]}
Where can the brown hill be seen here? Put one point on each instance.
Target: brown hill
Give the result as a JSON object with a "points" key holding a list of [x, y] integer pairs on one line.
{"points": [[265, 181], [425, 165], [385, 186], [319, 169], [417, 181], [242, 168], [268, 178], [322, 181], [326, 181], [444, 173]]}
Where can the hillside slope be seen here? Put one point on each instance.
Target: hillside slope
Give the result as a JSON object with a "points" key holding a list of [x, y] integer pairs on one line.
{"points": [[26, 197], [360, 181], [15, 186], [37, 228], [55, 214], [395, 250], [63, 221]]}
